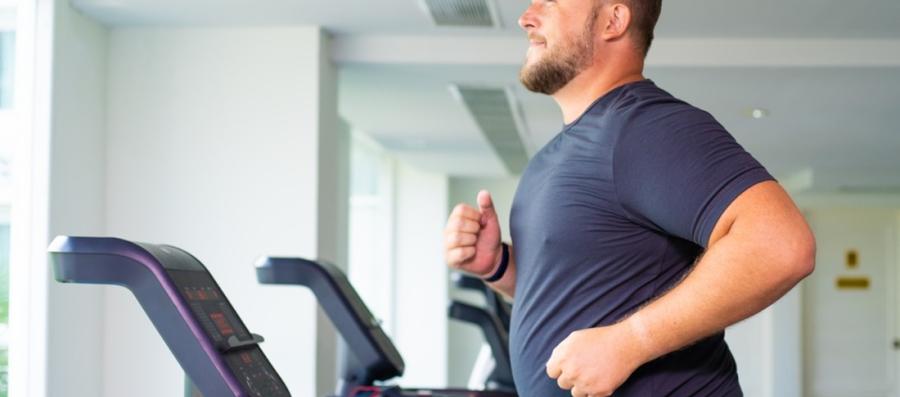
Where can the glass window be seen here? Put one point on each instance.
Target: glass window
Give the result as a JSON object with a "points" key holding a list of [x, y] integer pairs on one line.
{"points": [[7, 62], [4, 306], [5, 188], [7, 131]]}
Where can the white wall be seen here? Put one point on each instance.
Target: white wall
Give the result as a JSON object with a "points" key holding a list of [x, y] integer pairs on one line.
{"points": [[768, 350], [785, 364], [421, 276], [464, 340], [76, 199], [224, 142], [751, 344]]}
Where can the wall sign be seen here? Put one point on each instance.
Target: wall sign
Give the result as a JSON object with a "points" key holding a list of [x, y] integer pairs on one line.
{"points": [[852, 283]]}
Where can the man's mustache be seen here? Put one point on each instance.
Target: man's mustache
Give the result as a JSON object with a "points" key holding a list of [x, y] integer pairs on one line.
{"points": [[536, 37]]}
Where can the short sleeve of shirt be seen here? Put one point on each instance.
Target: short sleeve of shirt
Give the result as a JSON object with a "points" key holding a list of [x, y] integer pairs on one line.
{"points": [[676, 169]]}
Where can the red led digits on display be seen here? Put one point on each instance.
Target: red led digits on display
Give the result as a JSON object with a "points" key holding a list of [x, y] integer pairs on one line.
{"points": [[221, 323], [197, 294]]}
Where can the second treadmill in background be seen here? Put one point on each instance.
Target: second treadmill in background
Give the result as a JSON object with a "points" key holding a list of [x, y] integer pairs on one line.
{"points": [[372, 357], [492, 369]]}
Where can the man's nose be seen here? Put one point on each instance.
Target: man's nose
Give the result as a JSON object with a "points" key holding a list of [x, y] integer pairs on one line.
{"points": [[529, 19]]}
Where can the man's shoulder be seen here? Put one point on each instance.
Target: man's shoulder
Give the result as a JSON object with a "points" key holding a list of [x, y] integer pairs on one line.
{"points": [[650, 99], [645, 112], [647, 106]]}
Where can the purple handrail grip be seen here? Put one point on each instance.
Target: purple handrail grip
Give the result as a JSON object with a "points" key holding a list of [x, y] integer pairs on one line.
{"points": [[140, 255]]}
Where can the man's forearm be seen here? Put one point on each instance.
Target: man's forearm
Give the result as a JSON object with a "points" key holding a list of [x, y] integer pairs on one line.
{"points": [[732, 281]]}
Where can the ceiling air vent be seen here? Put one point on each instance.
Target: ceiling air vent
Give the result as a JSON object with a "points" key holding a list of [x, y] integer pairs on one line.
{"points": [[494, 114], [461, 12]]}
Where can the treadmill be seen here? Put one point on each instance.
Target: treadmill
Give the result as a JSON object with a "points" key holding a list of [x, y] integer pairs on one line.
{"points": [[218, 354], [372, 357], [492, 368]]}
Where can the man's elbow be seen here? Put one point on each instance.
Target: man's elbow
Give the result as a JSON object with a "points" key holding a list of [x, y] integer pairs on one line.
{"points": [[799, 254]]}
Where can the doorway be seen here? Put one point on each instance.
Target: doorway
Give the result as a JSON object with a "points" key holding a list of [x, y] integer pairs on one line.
{"points": [[850, 330]]}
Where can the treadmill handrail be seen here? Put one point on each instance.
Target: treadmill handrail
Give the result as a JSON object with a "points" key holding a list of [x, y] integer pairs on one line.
{"points": [[370, 345], [494, 333], [130, 259]]}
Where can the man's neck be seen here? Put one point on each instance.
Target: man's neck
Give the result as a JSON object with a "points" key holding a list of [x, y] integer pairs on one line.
{"points": [[591, 84]]}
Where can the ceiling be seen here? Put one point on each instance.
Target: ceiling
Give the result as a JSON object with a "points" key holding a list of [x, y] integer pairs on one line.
{"points": [[826, 71], [695, 18]]}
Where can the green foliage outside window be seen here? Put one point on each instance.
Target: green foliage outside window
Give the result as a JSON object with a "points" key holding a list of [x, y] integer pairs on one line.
{"points": [[4, 307]]}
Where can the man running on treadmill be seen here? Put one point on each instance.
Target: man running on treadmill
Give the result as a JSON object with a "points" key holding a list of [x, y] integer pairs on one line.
{"points": [[639, 232]]}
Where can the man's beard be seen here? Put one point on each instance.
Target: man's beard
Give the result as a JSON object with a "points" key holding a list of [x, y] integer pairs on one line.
{"points": [[561, 64]]}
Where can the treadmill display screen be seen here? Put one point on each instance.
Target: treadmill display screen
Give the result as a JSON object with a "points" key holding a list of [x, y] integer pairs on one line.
{"points": [[253, 370], [248, 364], [210, 307]]}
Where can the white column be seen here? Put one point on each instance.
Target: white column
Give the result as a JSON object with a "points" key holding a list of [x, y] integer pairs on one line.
{"points": [[421, 276], [76, 199]]}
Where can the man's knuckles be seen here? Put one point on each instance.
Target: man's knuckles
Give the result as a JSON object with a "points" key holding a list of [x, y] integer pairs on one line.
{"points": [[458, 209], [465, 211], [456, 239], [457, 256]]}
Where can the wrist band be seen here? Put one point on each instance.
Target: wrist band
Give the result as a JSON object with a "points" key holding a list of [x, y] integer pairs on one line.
{"points": [[504, 263]]}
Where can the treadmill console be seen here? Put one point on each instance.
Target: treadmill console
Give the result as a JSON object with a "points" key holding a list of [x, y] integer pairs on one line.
{"points": [[223, 326], [185, 304]]}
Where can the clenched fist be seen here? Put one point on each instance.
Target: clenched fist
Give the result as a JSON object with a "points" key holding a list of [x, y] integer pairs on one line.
{"points": [[472, 237], [595, 362]]}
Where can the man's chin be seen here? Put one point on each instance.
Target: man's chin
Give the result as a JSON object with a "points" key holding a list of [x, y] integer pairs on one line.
{"points": [[530, 65], [535, 55]]}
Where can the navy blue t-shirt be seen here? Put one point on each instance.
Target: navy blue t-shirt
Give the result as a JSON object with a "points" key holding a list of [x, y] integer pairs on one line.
{"points": [[612, 213]]}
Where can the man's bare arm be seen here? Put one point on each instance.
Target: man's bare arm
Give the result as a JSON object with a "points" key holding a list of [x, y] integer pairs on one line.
{"points": [[759, 249]]}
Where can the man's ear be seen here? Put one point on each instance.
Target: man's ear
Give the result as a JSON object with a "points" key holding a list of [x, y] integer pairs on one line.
{"points": [[616, 19]]}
